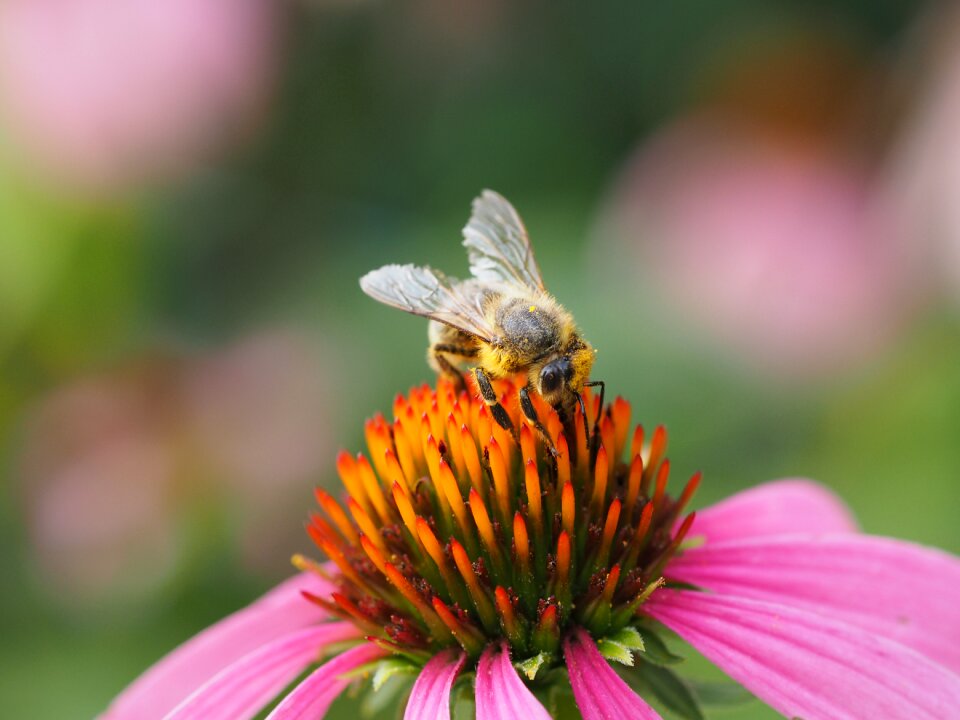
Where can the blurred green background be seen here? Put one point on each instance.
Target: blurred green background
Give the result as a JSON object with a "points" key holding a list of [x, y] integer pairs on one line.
{"points": [[747, 205]]}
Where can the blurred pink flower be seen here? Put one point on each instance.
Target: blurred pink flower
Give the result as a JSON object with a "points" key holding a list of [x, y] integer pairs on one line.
{"points": [[261, 412], [922, 175], [96, 470], [102, 93], [768, 246], [114, 466]]}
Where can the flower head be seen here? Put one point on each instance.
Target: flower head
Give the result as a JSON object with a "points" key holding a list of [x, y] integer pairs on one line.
{"points": [[466, 558], [456, 536]]}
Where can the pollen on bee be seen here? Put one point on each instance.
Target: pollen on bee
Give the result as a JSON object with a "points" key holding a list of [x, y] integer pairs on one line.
{"points": [[533, 308]]}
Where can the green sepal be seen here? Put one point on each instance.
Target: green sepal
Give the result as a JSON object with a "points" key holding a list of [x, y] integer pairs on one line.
{"points": [[629, 637], [361, 671], [387, 668], [720, 694], [532, 665], [391, 692], [669, 688], [655, 650], [613, 650], [463, 702]]}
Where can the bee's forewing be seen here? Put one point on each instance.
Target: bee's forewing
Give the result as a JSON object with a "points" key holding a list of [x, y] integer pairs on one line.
{"points": [[497, 244], [428, 292]]}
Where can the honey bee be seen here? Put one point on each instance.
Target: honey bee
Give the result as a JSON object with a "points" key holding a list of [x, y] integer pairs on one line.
{"points": [[500, 322]]}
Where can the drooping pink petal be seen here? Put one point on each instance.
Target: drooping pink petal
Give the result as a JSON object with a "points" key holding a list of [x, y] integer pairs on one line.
{"points": [[600, 693], [430, 697], [189, 666], [805, 665], [774, 508], [500, 693], [243, 688], [902, 591], [311, 698]]}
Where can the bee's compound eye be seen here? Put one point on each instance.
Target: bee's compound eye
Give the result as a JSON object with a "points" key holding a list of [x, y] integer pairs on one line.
{"points": [[549, 379]]}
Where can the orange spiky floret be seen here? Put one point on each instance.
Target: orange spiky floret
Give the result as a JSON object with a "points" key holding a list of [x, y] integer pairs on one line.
{"points": [[454, 532]]}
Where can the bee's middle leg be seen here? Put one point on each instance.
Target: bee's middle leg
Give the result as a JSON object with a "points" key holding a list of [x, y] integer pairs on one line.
{"points": [[439, 352], [489, 396]]}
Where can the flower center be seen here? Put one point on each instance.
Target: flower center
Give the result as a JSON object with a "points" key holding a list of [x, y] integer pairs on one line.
{"points": [[455, 533]]}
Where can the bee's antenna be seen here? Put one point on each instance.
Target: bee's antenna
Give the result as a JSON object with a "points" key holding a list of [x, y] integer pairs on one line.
{"points": [[595, 435], [583, 408]]}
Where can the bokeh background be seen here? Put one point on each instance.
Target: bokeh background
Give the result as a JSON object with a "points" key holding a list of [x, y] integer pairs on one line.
{"points": [[751, 207]]}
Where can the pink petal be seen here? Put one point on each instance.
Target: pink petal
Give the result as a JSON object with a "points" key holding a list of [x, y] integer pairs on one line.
{"points": [[774, 508], [600, 693], [805, 665], [902, 591], [430, 697], [243, 688], [312, 697], [500, 693], [189, 666]]}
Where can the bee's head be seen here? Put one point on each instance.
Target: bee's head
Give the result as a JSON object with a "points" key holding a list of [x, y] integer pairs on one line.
{"points": [[554, 376], [561, 378]]}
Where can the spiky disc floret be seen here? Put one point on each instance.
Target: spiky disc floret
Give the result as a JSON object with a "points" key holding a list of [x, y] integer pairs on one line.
{"points": [[453, 533]]}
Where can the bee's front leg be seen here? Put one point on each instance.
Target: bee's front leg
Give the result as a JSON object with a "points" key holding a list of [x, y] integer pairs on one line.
{"points": [[530, 413], [489, 396]]}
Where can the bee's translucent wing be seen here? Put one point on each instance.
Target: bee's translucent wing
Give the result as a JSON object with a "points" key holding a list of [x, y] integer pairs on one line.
{"points": [[428, 292], [497, 244]]}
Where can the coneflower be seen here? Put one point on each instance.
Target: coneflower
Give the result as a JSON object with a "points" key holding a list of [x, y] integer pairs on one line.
{"points": [[463, 557]]}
